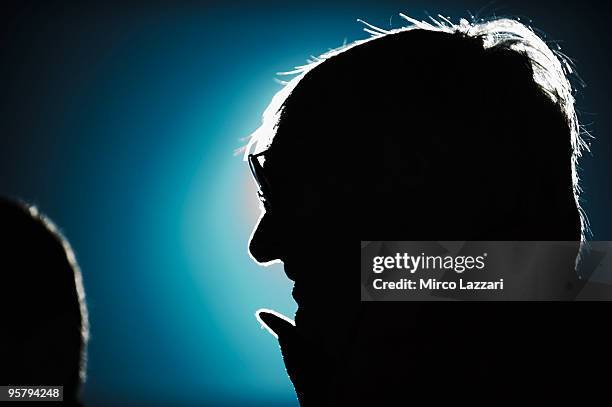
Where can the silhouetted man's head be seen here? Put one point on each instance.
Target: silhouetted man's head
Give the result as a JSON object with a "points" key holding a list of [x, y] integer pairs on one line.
{"points": [[41, 303], [431, 132], [459, 133]]}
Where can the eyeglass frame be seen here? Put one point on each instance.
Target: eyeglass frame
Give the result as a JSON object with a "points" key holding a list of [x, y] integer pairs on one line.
{"points": [[263, 185]]}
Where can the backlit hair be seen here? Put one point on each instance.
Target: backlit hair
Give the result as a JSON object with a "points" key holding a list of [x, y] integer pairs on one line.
{"points": [[551, 72]]}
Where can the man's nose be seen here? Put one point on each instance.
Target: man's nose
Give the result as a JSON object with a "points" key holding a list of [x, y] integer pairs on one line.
{"points": [[267, 241]]}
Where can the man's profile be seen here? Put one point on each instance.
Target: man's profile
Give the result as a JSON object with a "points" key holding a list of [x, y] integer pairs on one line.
{"points": [[429, 132]]}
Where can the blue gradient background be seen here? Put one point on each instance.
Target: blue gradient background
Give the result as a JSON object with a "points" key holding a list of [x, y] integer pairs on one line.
{"points": [[120, 123]]}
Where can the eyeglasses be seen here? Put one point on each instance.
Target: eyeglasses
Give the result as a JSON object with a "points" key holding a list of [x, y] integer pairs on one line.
{"points": [[260, 179]]}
